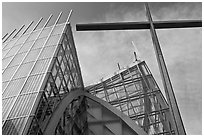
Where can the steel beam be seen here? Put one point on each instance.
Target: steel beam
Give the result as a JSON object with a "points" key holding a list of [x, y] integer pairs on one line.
{"points": [[138, 25], [179, 127]]}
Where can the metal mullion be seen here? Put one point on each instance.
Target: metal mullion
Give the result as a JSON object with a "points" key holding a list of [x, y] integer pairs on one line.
{"points": [[9, 36], [136, 88], [117, 96], [144, 79], [22, 43], [18, 66], [105, 92], [22, 59], [52, 55], [61, 69], [56, 86], [57, 75], [70, 70], [16, 39], [160, 116], [77, 66], [125, 92], [63, 75], [4, 36], [20, 95], [22, 63]]}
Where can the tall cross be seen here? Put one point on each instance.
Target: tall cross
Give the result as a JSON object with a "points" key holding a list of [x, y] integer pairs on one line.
{"points": [[177, 120]]}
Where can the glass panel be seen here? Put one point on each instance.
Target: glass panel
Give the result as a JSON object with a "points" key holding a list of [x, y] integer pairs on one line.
{"points": [[39, 43], [33, 36], [13, 51], [58, 29], [14, 126], [10, 44], [6, 105], [14, 87], [33, 83], [53, 40], [26, 47], [24, 70], [17, 59], [40, 66], [22, 105], [4, 52], [45, 32], [47, 52], [8, 73], [4, 84], [22, 39], [32, 55], [6, 61]]}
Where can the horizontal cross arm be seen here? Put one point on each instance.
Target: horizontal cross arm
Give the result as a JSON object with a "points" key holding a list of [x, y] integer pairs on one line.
{"points": [[138, 25]]}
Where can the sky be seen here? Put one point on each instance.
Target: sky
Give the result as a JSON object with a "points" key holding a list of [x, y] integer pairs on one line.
{"points": [[99, 52]]}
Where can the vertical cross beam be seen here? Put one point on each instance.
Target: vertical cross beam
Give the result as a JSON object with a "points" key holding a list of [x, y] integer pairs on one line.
{"points": [[179, 127]]}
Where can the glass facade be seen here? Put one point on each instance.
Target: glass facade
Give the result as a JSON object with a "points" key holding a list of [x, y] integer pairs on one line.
{"points": [[134, 92], [41, 72], [38, 69]]}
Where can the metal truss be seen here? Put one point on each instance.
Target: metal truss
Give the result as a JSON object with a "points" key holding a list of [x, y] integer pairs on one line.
{"points": [[134, 92]]}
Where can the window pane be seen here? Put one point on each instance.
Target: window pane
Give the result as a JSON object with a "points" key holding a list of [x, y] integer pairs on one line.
{"points": [[58, 29], [8, 73], [13, 51], [47, 52], [22, 39], [14, 87], [26, 47], [4, 52], [33, 83], [6, 61], [40, 66], [17, 59], [4, 84], [24, 70], [6, 104], [22, 105], [53, 40], [39, 43], [33, 36], [14, 126], [32, 55], [45, 32], [10, 44]]}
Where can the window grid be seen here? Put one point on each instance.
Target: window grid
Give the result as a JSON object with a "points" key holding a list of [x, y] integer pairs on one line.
{"points": [[52, 91], [131, 101], [32, 67]]}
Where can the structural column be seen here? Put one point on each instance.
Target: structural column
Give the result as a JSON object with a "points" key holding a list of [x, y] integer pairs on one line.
{"points": [[179, 127]]}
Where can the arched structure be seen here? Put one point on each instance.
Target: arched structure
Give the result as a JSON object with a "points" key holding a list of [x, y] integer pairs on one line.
{"points": [[102, 118]]}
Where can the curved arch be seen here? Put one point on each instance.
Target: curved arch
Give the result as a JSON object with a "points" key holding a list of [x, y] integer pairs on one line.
{"points": [[50, 129]]}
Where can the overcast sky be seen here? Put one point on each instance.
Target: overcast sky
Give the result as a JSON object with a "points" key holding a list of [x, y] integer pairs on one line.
{"points": [[99, 52]]}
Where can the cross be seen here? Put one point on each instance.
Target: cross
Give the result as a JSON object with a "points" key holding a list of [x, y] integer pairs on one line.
{"points": [[177, 120]]}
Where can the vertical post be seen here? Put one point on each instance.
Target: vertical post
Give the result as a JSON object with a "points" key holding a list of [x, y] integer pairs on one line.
{"points": [[135, 56], [118, 66], [179, 127]]}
